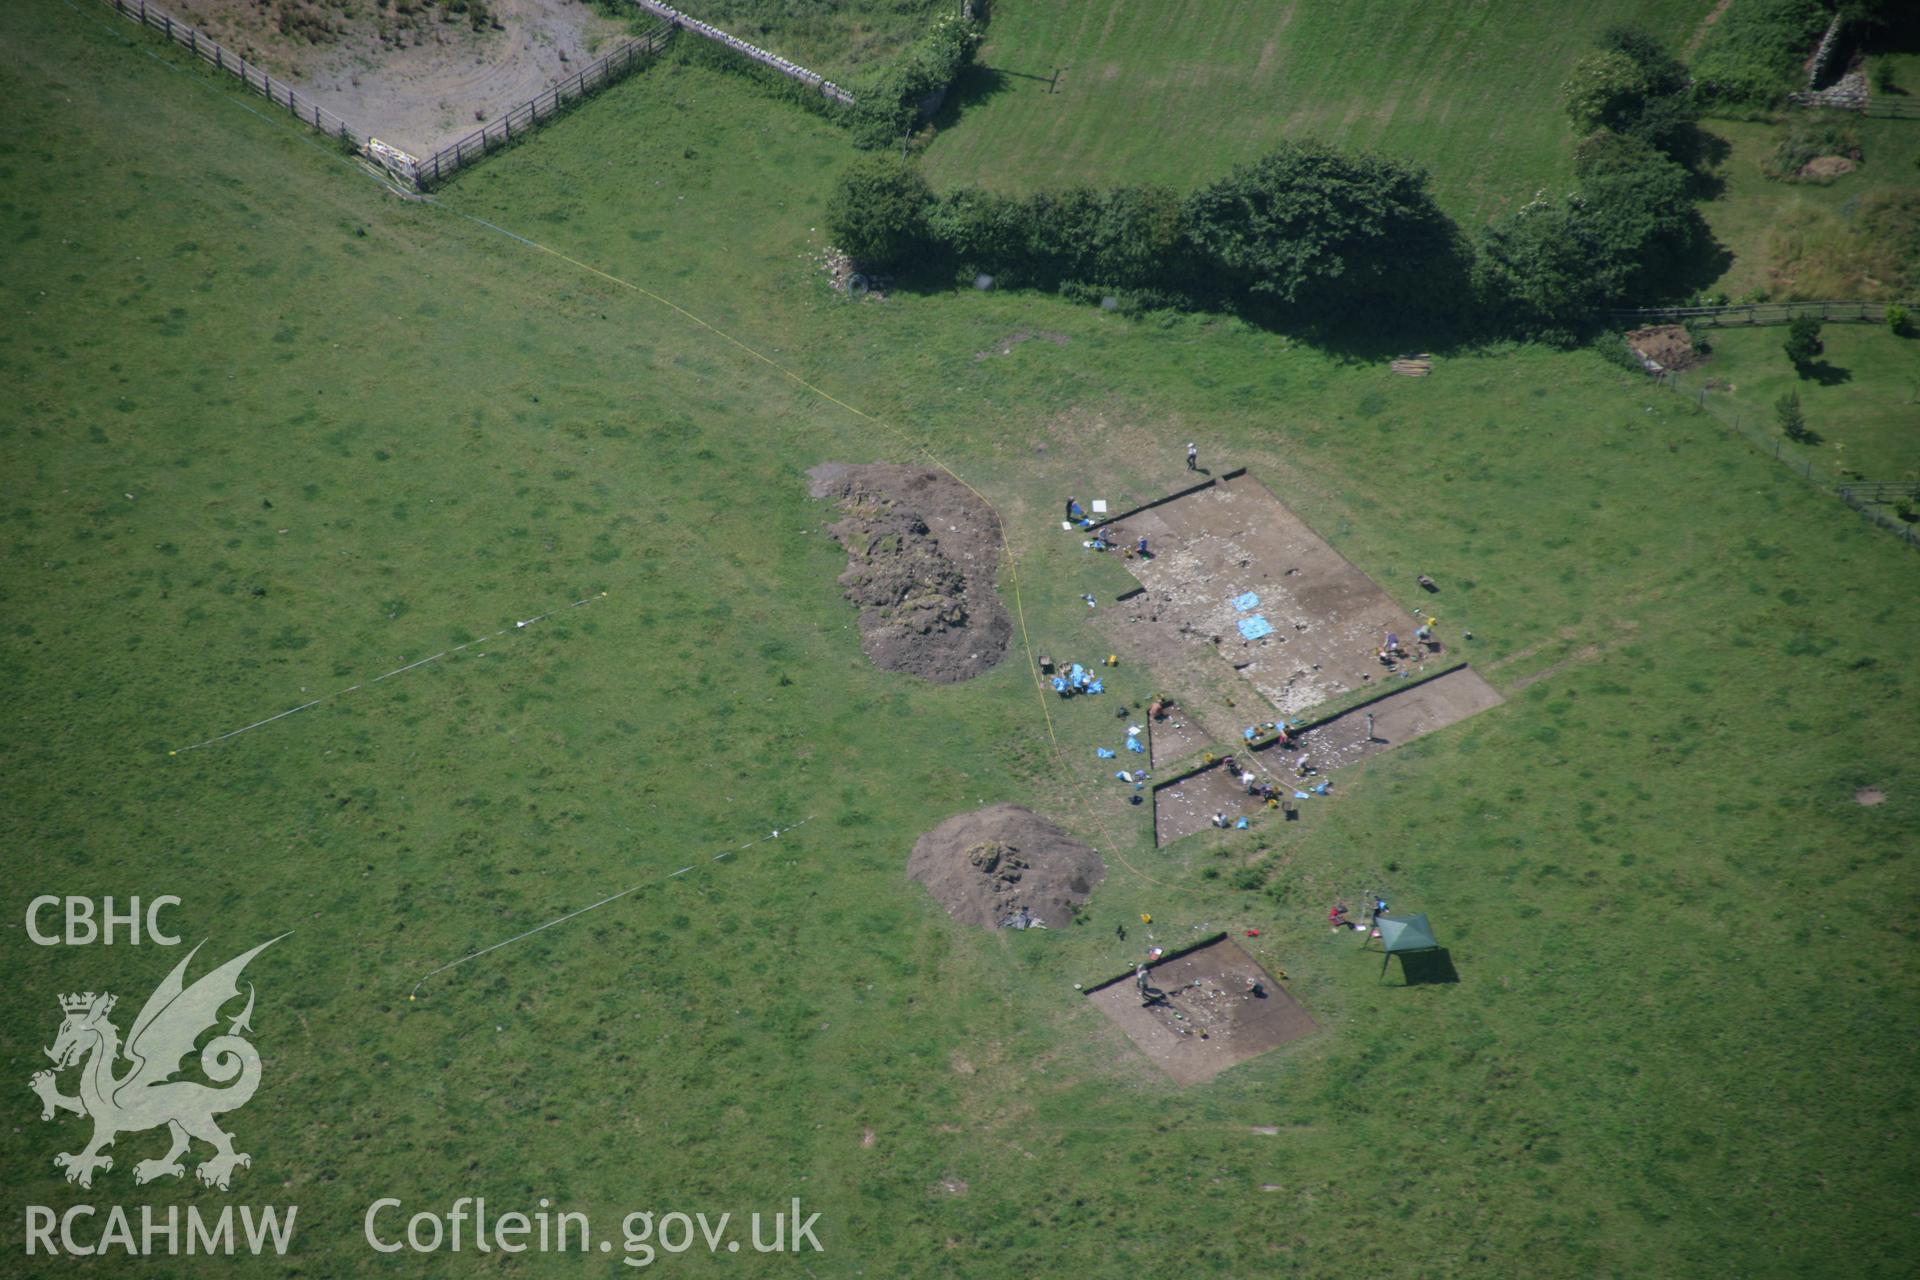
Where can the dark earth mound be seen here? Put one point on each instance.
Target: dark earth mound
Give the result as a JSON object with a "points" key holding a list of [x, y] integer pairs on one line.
{"points": [[988, 866], [921, 556]]}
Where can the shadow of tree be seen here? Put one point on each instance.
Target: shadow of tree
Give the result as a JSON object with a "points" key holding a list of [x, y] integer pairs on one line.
{"points": [[973, 87], [1827, 375]]}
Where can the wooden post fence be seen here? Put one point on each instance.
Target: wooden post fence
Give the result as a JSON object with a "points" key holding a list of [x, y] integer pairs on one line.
{"points": [[224, 60]]}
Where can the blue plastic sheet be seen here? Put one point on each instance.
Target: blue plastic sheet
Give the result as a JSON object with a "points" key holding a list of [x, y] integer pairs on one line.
{"points": [[1246, 602], [1059, 685], [1250, 734], [1240, 825], [1255, 627], [1133, 744], [1301, 795], [1103, 753], [1096, 687]]}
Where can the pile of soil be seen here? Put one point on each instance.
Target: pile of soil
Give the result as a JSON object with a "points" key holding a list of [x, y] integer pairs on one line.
{"points": [[987, 866], [1824, 168], [1667, 345], [921, 555]]}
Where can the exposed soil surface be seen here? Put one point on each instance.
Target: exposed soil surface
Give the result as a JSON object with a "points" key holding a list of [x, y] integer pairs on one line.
{"points": [[988, 866], [1206, 1017], [1667, 345], [1821, 168], [1174, 736], [921, 557], [1187, 806], [419, 81], [1869, 796], [1210, 548]]}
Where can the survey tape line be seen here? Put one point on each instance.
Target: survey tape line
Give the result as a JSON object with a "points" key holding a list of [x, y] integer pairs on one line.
{"points": [[355, 688], [594, 906], [410, 666], [918, 445]]}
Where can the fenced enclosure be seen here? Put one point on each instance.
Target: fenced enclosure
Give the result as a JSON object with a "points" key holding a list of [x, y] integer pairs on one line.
{"points": [[442, 164], [1758, 313], [279, 93], [495, 134], [1871, 498]]}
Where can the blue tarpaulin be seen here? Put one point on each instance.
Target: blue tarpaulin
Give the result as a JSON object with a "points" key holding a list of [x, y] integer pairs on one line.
{"points": [[1133, 744], [1246, 602], [1255, 627], [1103, 753]]}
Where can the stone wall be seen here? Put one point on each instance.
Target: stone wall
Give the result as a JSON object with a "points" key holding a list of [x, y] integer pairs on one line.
{"points": [[811, 79]]}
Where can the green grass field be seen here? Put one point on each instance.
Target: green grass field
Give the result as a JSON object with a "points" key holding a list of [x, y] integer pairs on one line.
{"points": [[1864, 403], [842, 40], [1180, 93], [1781, 235], [272, 432]]}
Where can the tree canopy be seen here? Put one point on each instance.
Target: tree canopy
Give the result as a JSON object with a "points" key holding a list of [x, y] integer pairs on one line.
{"points": [[877, 213], [1310, 225]]}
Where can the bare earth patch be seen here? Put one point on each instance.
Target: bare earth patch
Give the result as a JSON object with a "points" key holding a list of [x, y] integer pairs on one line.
{"points": [[1823, 168], [417, 84], [1869, 796], [1212, 547], [1175, 735], [1186, 806], [1216, 1006], [989, 866], [921, 556], [1667, 345]]}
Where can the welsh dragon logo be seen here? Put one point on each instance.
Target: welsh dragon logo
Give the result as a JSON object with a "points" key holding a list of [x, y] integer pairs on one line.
{"points": [[146, 1096]]}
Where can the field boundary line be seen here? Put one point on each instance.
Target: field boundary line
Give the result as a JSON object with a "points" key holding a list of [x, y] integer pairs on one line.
{"points": [[900, 433], [255, 78], [397, 671], [786, 67], [1764, 313], [612, 897]]}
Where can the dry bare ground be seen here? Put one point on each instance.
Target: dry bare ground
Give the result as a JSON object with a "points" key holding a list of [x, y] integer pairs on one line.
{"points": [[415, 81]]}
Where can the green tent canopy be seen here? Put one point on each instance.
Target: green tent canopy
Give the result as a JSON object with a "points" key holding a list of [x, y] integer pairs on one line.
{"points": [[1400, 935]]}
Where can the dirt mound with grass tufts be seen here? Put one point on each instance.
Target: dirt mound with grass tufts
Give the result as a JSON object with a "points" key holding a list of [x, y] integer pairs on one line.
{"points": [[922, 550], [1668, 345], [989, 866]]}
